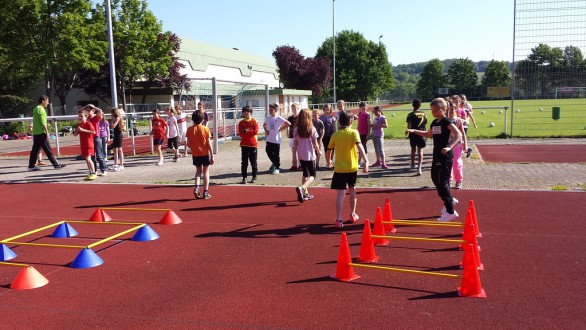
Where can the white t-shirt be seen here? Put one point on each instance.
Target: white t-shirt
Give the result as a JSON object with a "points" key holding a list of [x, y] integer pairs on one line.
{"points": [[273, 125], [172, 122], [182, 122]]}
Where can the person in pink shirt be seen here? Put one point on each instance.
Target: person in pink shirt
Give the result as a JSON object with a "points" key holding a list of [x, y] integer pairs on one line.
{"points": [[306, 146], [363, 130]]}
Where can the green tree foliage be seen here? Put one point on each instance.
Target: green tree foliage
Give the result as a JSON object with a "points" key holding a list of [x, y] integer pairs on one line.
{"points": [[462, 77], [363, 70], [496, 74], [432, 78], [547, 68]]}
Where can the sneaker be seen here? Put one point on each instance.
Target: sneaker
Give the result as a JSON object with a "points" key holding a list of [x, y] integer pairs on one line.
{"points": [[360, 165], [458, 185], [32, 169], [299, 191], [121, 168], [446, 217], [100, 174], [91, 177], [115, 167], [206, 195], [454, 202], [253, 180], [59, 166], [160, 162], [243, 181], [196, 193], [384, 166], [40, 163], [354, 217], [339, 224], [469, 152], [375, 164], [276, 171], [307, 197], [413, 166]]}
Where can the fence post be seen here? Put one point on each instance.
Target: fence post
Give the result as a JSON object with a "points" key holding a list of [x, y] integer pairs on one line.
{"points": [[505, 126], [56, 137]]}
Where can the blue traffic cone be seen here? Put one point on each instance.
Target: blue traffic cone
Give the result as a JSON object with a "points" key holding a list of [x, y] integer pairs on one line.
{"points": [[6, 253], [64, 230], [145, 234], [86, 259]]}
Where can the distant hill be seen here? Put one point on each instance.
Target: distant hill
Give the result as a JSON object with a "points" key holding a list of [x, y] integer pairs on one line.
{"points": [[417, 68]]}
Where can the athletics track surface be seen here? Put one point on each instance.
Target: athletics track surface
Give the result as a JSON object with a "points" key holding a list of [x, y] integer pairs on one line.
{"points": [[253, 257]]}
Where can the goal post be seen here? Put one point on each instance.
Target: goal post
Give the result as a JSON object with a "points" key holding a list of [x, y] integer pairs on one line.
{"points": [[570, 92], [225, 100]]}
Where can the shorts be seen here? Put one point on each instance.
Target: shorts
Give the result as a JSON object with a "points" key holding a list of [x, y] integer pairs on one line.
{"points": [[158, 141], [417, 141], [87, 152], [308, 167], [201, 160], [181, 137], [172, 143], [341, 180], [117, 141]]}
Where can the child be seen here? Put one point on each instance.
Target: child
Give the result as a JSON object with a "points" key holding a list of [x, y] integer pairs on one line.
{"points": [[199, 141], [467, 107], [159, 132], [273, 126], [248, 129], [319, 127], [458, 164], [379, 123], [306, 145], [95, 115], [445, 137], [363, 130], [86, 133], [292, 119], [182, 125], [329, 119], [119, 127], [202, 107], [416, 120], [344, 143], [173, 132], [104, 129]]}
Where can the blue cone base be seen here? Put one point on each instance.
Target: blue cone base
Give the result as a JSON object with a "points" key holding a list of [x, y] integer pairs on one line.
{"points": [[86, 259], [64, 230], [6, 253], [145, 234]]}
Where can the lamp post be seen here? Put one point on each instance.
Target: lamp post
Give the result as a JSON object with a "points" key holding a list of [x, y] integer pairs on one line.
{"points": [[111, 56], [334, 43], [379, 38]]}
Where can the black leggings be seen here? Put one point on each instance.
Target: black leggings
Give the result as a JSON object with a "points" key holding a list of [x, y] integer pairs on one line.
{"points": [[441, 168], [249, 154]]}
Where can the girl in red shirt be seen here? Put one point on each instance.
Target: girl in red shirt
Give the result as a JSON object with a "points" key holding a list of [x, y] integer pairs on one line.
{"points": [[86, 133], [248, 129], [159, 132]]}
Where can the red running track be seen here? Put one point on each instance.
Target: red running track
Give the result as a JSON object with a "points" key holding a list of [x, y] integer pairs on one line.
{"points": [[254, 257], [566, 153]]}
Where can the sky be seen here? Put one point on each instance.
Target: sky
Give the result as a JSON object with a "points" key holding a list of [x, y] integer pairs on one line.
{"points": [[412, 31]]}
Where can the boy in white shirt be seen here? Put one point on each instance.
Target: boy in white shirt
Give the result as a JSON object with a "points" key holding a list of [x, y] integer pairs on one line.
{"points": [[273, 126]]}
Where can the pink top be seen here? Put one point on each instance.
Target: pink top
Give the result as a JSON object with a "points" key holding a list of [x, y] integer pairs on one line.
{"points": [[305, 150], [363, 123]]}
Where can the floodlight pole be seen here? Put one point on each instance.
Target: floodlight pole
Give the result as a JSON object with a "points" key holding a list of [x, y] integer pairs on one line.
{"points": [[113, 94], [334, 43]]}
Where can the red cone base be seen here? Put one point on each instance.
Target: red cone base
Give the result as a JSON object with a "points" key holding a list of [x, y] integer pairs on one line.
{"points": [[100, 216], [28, 278], [470, 286], [170, 218]]}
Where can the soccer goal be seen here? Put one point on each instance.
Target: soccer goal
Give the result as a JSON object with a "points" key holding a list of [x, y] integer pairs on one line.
{"points": [[570, 92], [224, 101]]}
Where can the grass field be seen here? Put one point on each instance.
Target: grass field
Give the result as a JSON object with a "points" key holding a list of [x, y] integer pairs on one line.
{"points": [[533, 119]]}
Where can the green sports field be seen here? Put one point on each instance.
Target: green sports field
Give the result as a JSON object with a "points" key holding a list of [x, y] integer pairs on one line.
{"points": [[529, 118]]}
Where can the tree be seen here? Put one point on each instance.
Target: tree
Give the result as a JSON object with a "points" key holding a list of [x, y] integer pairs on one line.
{"points": [[496, 74], [462, 77], [362, 67], [432, 78], [296, 71]]}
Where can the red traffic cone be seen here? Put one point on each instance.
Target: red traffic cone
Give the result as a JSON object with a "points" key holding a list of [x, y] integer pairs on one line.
{"points": [[473, 210], [388, 217], [471, 239], [469, 234], [367, 253], [28, 278], [344, 272], [100, 216], [470, 285], [170, 218], [379, 229]]}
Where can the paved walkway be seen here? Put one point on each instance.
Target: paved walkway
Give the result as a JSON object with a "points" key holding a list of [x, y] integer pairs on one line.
{"points": [[143, 169]]}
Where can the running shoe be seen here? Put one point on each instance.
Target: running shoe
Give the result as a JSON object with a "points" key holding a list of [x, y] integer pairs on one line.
{"points": [[339, 224], [469, 152], [354, 217], [206, 195], [32, 169], [299, 192], [307, 197], [446, 217]]}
